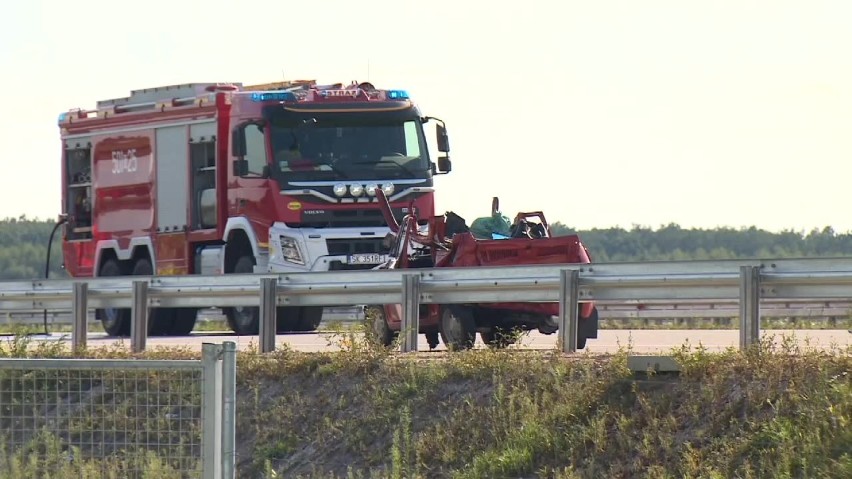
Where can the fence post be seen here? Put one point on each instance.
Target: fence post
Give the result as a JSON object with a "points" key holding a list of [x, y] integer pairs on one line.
{"points": [[268, 292], [229, 412], [211, 408], [749, 305], [80, 308], [569, 298], [410, 311], [139, 317]]}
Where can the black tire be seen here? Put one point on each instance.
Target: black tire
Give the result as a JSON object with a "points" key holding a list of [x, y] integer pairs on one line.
{"points": [[298, 318], [244, 320], [432, 338], [310, 318], [587, 328], [160, 320], [499, 337], [581, 341], [458, 329], [115, 321], [184, 321], [377, 325]]}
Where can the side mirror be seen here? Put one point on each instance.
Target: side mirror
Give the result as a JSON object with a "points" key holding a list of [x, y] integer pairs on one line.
{"points": [[444, 164], [238, 142], [240, 167], [443, 139]]}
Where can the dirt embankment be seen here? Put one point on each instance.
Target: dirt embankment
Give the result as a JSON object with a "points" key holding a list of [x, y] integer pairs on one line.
{"points": [[365, 413], [516, 415]]}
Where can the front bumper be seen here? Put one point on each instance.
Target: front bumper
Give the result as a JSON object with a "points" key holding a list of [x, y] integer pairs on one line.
{"points": [[325, 249]]}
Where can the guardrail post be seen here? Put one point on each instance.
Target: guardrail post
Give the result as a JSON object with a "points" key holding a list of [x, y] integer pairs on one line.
{"points": [[410, 311], [229, 414], [80, 318], [569, 298], [268, 293], [139, 317], [749, 305], [211, 409]]}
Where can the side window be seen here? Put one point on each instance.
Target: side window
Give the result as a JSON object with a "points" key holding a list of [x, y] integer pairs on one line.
{"points": [[255, 149], [412, 142]]}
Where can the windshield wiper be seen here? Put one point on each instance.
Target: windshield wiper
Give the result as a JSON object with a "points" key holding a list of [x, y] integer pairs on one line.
{"points": [[412, 173]]}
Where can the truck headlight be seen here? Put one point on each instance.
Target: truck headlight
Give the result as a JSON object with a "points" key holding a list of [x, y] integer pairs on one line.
{"points": [[290, 250]]}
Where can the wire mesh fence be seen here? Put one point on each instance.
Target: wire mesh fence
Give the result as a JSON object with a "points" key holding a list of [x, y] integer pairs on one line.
{"points": [[106, 419]]}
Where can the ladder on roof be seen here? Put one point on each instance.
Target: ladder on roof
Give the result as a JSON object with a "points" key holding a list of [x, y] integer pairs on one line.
{"points": [[151, 96], [281, 85]]}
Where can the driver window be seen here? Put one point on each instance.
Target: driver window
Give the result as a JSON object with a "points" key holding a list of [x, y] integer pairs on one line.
{"points": [[255, 149]]}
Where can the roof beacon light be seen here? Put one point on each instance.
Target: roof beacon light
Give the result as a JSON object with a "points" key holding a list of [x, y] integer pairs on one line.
{"points": [[273, 96], [397, 95]]}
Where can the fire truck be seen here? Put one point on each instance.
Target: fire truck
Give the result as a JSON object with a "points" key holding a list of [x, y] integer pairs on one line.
{"points": [[222, 178]]}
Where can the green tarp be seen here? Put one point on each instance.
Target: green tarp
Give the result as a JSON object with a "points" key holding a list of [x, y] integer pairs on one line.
{"points": [[491, 227]]}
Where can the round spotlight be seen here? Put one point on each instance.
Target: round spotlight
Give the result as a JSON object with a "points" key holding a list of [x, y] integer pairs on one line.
{"points": [[340, 189], [371, 189], [356, 189], [387, 189]]}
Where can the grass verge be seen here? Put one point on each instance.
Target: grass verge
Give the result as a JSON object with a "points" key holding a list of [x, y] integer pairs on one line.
{"points": [[776, 410]]}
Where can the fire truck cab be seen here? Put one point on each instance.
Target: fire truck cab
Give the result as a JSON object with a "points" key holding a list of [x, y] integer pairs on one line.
{"points": [[219, 178]]}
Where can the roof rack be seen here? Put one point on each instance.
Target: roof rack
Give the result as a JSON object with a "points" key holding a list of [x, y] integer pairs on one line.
{"points": [[150, 96]]}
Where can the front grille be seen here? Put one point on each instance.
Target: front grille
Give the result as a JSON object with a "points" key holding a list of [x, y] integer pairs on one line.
{"points": [[355, 246], [348, 218]]}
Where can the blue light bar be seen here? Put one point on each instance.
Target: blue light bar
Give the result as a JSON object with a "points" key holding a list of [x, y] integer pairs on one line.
{"points": [[63, 116], [397, 95], [273, 96]]}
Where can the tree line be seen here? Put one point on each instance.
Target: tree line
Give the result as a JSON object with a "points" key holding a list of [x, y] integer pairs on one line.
{"points": [[23, 244]]}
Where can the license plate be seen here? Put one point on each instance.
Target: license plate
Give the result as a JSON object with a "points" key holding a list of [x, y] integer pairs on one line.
{"points": [[367, 258]]}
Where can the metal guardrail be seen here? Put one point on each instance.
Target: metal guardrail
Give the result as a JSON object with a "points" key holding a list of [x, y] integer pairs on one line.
{"points": [[744, 283], [815, 311]]}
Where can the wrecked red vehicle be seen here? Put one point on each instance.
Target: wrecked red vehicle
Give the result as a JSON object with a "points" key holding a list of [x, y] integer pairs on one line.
{"points": [[447, 241]]}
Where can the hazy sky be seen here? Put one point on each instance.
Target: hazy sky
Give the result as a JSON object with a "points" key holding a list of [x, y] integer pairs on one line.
{"points": [[713, 113]]}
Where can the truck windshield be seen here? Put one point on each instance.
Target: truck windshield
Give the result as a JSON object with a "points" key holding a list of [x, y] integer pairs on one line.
{"points": [[317, 148]]}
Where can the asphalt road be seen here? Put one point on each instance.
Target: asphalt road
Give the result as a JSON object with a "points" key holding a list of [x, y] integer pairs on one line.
{"points": [[609, 341]]}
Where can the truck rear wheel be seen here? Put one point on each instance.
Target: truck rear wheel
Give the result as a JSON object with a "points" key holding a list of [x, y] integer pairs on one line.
{"points": [[115, 321], [244, 320], [160, 320], [184, 321], [458, 329]]}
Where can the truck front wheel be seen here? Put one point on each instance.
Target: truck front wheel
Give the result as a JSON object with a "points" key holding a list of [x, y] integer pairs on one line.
{"points": [[244, 320], [298, 318]]}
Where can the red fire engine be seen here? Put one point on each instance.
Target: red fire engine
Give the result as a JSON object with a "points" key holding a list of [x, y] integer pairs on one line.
{"points": [[219, 178]]}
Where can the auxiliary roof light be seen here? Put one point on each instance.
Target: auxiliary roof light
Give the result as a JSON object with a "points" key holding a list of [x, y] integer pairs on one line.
{"points": [[340, 189], [274, 96], [356, 189]]}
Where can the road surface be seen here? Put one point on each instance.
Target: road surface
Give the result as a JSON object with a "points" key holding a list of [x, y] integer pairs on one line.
{"points": [[643, 341]]}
